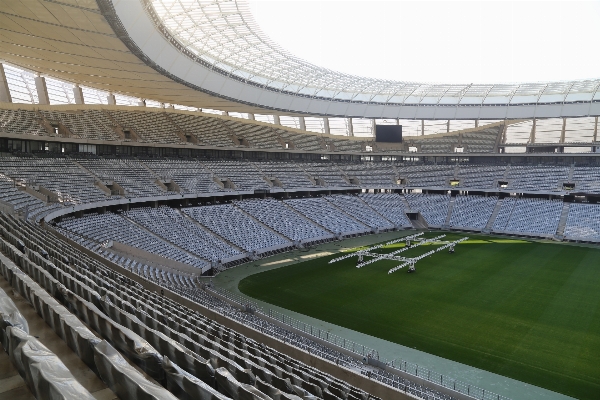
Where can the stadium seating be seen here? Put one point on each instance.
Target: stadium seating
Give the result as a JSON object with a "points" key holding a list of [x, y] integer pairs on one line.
{"points": [[390, 206], [359, 210], [583, 222], [328, 216], [472, 212], [237, 227], [433, 207], [536, 217], [284, 220], [167, 341]]}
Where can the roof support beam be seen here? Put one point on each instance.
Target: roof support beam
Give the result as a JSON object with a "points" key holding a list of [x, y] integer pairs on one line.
{"points": [[532, 133], [596, 130], [326, 128], [78, 94], [42, 90], [562, 132], [302, 123], [4, 90], [350, 127], [276, 120]]}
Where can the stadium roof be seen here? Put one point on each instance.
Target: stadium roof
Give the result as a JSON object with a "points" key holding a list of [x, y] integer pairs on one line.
{"points": [[211, 54]]}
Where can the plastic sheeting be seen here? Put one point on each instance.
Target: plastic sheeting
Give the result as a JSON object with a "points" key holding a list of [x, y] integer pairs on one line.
{"points": [[123, 379], [186, 386], [44, 373], [10, 316], [228, 385]]}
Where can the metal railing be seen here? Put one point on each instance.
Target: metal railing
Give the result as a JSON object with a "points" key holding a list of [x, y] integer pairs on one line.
{"points": [[396, 367]]}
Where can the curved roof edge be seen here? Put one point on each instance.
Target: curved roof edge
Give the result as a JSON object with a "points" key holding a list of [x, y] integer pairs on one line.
{"points": [[138, 26]]}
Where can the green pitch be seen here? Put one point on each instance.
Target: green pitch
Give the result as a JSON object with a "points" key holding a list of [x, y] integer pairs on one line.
{"points": [[525, 310]]}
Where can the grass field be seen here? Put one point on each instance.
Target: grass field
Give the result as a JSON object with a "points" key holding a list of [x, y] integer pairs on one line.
{"points": [[525, 310]]}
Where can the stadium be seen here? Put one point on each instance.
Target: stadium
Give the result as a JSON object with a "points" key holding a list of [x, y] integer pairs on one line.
{"points": [[190, 211]]}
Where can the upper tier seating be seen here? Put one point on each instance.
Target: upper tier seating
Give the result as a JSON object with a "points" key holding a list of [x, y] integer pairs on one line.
{"points": [[91, 124], [530, 178], [284, 220], [209, 131], [190, 176], [359, 210], [170, 225], [289, 174], [586, 179], [427, 175], [480, 176], [237, 227], [371, 175], [137, 180], [329, 173], [106, 227], [326, 215], [21, 122], [149, 127], [472, 212], [390, 205], [528, 216], [433, 207], [61, 176], [243, 174], [583, 222]]}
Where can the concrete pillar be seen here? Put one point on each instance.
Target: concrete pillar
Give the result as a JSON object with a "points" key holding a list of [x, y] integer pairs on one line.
{"points": [[397, 121], [532, 133], [251, 116], [562, 132], [373, 127], [302, 123], [4, 90], [42, 90], [448, 126], [504, 132], [326, 125], [225, 113], [476, 123], [111, 99], [171, 106], [350, 127], [142, 103], [596, 129], [422, 127], [78, 95], [276, 120]]}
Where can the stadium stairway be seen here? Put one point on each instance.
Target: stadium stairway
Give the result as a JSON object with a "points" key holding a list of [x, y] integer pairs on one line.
{"points": [[449, 215], [490, 223], [562, 223]]}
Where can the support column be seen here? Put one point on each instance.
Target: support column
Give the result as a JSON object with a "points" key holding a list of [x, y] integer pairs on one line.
{"points": [[142, 103], [532, 133], [225, 113], [42, 90], [448, 126], [476, 123], [276, 120], [373, 127], [504, 132], [397, 121], [302, 123], [562, 133], [111, 99], [4, 90], [596, 130], [251, 117], [350, 127], [326, 125], [78, 94], [422, 127]]}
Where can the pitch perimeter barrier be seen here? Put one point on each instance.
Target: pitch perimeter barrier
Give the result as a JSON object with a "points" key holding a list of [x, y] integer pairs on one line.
{"points": [[401, 368]]}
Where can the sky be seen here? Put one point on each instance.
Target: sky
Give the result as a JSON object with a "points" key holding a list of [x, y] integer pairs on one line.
{"points": [[440, 41]]}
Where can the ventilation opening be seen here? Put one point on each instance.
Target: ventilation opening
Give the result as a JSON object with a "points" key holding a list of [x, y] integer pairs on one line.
{"points": [[459, 149], [412, 149], [568, 186], [454, 182], [502, 184], [127, 134]]}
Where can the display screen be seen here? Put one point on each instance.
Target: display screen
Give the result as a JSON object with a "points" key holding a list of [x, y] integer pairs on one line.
{"points": [[388, 133]]}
